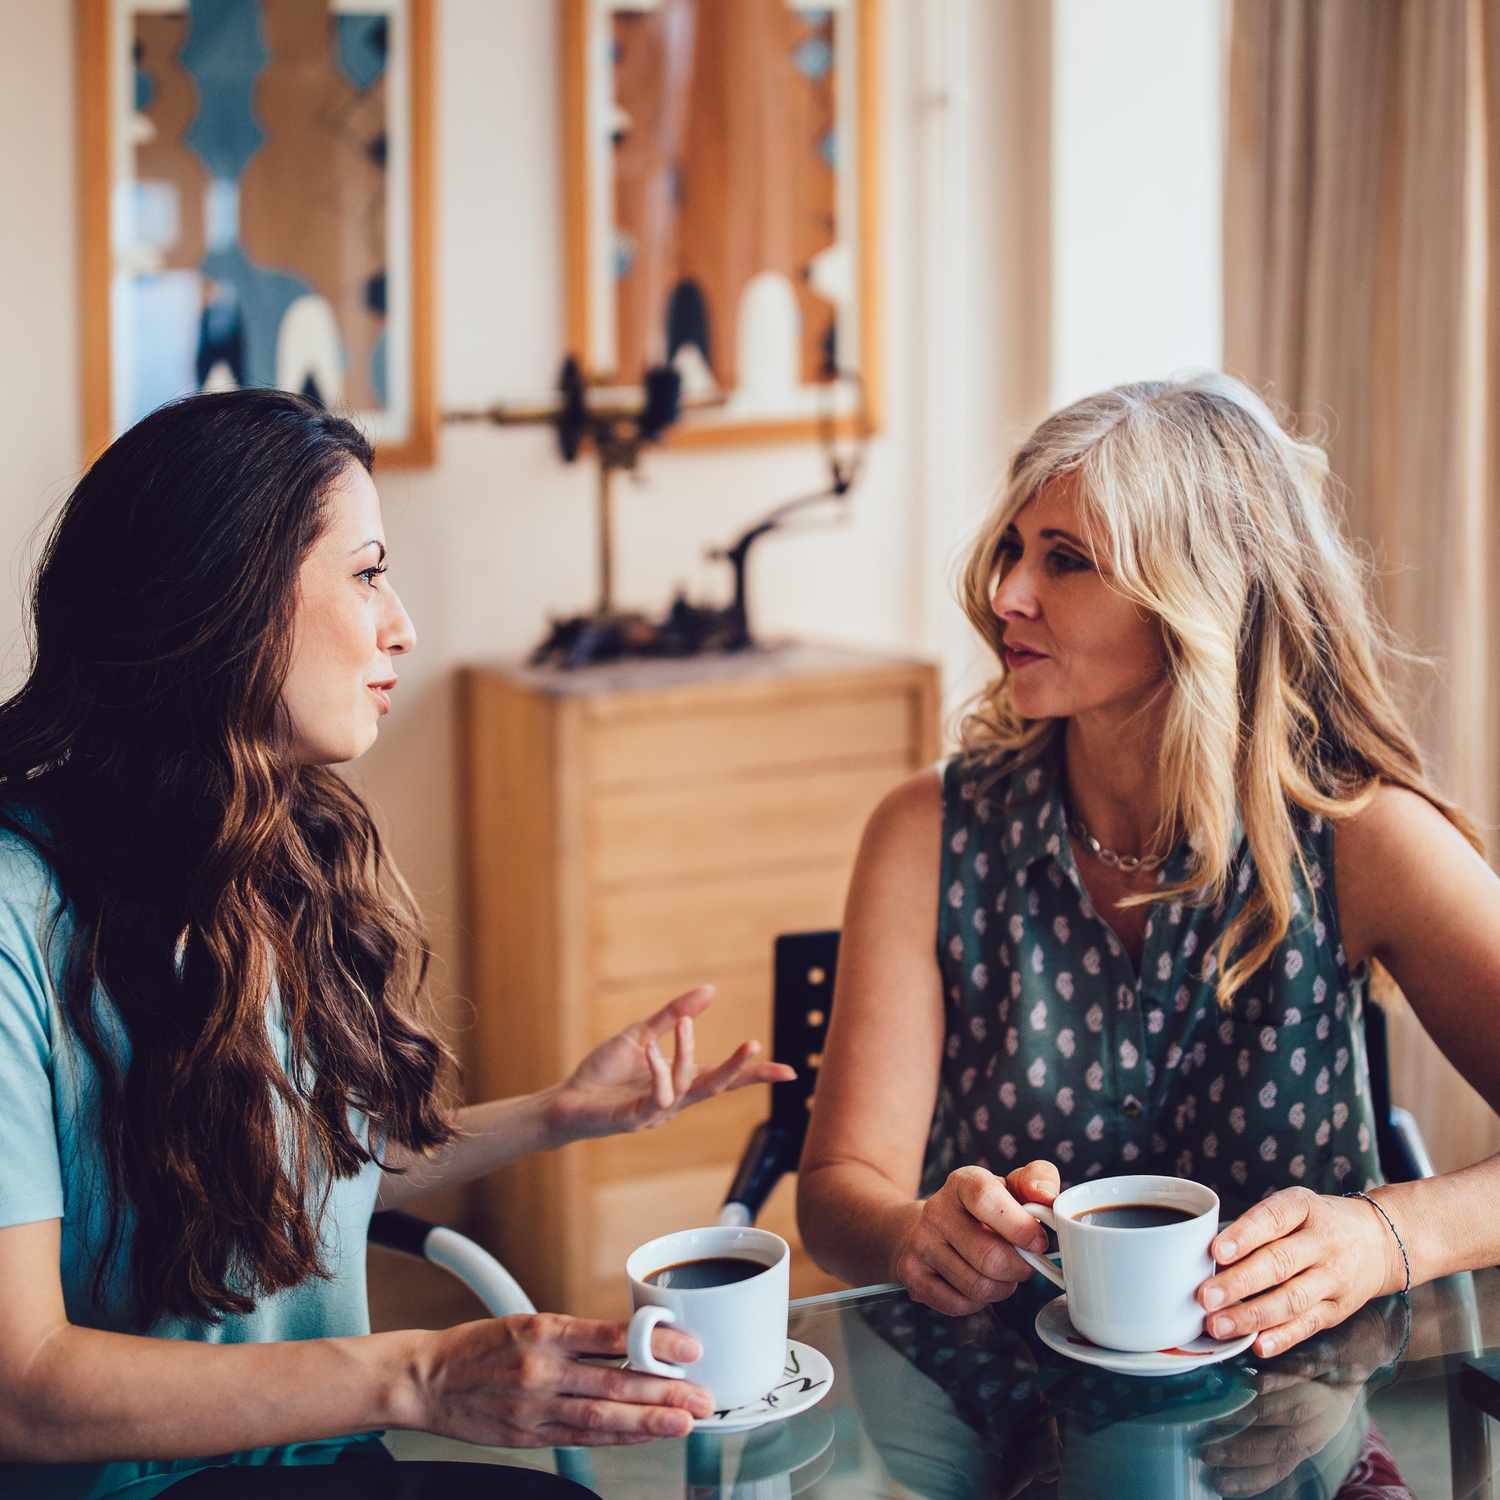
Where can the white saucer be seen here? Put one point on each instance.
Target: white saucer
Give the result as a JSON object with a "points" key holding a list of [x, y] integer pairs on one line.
{"points": [[1057, 1333], [806, 1380]]}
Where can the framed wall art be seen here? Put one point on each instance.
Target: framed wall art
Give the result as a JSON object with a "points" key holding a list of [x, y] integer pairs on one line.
{"points": [[721, 186], [256, 208]]}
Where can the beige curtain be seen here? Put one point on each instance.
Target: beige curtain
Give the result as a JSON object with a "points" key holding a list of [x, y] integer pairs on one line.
{"points": [[1357, 215]]}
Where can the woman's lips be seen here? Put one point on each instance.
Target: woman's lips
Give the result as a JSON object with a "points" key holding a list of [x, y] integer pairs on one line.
{"points": [[383, 697], [1016, 658]]}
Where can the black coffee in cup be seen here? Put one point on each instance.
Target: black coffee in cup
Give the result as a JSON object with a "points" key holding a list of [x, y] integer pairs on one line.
{"points": [[1134, 1215], [712, 1270]]}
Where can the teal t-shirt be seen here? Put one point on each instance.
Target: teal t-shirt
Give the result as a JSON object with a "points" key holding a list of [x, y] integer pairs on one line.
{"points": [[52, 1167]]}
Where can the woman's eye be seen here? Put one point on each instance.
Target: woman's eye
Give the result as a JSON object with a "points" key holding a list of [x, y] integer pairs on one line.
{"points": [[371, 574], [1067, 562], [1006, 553]]}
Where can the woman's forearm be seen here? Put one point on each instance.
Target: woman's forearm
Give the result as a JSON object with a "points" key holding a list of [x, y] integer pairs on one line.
{"points": [[491, 1136], [87, 1396], [853, 1220], [1447, 1223]]}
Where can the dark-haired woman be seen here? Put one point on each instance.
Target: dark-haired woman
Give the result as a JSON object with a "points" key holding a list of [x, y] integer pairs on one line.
{"points": [[214, 1055]]}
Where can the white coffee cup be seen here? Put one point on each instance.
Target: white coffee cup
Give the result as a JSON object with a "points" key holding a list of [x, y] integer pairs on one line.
{"points": [[1133, 1289], [741, 1324]]}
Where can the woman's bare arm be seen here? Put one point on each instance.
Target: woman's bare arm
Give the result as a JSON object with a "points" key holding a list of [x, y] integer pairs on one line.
{"points": [[79, 1395], [491, 1135], [856, 1190], [70, 1394], [624, 1084], [1413, 894]]}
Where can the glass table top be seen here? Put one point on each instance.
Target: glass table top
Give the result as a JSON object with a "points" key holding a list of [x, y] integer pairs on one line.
{"points": [[1388, 1405], [947, 1409]]}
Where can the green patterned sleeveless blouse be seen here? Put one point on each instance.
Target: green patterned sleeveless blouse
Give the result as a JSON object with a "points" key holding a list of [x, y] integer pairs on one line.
{"points": [[1057, 1048]]}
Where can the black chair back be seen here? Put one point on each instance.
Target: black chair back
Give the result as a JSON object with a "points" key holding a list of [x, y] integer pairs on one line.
{"points": [[802, 1000], [802, 990]]}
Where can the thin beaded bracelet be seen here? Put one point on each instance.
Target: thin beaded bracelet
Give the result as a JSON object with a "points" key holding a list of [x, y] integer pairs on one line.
{"points": [[1356, 1193]]}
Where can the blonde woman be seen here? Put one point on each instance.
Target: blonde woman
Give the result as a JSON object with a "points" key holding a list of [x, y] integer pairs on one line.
{"points": [[1187, 818]]}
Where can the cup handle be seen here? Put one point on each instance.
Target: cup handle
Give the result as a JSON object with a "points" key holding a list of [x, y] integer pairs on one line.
{"points": [[638, 1343], [1043, 1214]]}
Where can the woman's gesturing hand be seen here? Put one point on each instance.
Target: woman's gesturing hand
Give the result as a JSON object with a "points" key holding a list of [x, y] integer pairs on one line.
{"points": [[958, 1255], [1298, 1263], [521, 1382], [627, 1084]]}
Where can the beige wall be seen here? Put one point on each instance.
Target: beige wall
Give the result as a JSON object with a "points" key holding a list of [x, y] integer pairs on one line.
{"points": [[1140, 86], [485, 545], [500, 533], [39, 419]]}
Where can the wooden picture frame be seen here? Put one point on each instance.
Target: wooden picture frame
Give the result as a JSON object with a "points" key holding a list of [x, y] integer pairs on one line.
{"points": [[225, 266], [591, 135]]}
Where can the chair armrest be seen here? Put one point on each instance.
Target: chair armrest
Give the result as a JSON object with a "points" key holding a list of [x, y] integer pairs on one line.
{"points": [[766, 1159], [392, 1229], [1409, 1142], [500, 1292]]}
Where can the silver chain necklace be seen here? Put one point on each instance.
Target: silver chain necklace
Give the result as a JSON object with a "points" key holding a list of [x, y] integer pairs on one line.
{"points": [[1126, 862]]}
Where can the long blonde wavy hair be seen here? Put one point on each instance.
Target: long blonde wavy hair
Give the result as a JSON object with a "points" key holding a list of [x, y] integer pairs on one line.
{"points": [[1204, 510]]}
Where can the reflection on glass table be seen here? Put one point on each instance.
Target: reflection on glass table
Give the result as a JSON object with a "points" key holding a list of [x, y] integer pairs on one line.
{"points": [[979, 1409]]}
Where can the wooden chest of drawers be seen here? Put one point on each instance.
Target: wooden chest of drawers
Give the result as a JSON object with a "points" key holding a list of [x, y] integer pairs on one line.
{"points": [[632, 831]]}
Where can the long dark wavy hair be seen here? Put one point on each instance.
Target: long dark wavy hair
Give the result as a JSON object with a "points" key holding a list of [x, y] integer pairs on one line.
{"points": [[149, 758]]}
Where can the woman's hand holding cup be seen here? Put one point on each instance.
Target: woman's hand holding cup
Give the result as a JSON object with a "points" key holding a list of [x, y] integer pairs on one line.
{"points": [[522, 1382], [958, 1255]]}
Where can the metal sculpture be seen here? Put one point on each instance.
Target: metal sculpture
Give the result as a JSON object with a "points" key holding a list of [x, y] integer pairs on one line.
{"points": [[617, 433]]}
